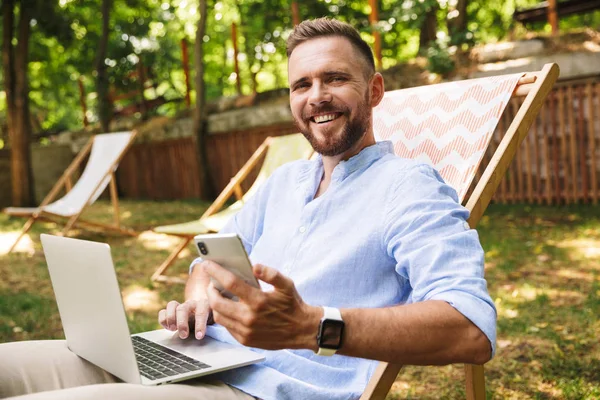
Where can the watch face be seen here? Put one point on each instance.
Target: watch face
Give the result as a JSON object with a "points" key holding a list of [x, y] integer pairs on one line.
{"points": [[330, 334]]}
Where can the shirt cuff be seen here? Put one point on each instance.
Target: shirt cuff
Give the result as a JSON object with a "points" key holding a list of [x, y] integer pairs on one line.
{"points": [[193, 264], [477, 310]]}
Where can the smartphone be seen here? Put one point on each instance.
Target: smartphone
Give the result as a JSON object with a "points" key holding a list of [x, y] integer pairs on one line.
{"points": [[227, 250]]}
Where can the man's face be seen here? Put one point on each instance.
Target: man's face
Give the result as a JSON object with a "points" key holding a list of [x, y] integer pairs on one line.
{"points": [[330, 97]]}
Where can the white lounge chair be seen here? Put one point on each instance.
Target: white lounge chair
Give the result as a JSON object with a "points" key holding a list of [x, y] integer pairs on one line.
{"points": [[105, 152]]}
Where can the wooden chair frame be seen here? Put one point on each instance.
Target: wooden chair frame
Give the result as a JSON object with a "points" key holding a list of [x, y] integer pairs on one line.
{"points": [[535, 86], [233, 188], [65, 181]]}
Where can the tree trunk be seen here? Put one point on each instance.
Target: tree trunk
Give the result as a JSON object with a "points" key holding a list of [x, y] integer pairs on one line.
{"points": [[457, 28], [458, 23], [428, 29], [102, 84], [7, 61], [200, 115], [15, 63]]}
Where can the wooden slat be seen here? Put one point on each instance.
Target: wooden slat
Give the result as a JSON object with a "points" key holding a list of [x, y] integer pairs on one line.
{"points": [[474, 375], [519, 160], [581, 144], [564, 193], [503, 184], [573, 177], [176, 170], [114, 197], [536, 160], [181, 169], [149, 162], [555, 140], [592, 139], [195, 166], [546, 150], [528, 166], [512, 182]]}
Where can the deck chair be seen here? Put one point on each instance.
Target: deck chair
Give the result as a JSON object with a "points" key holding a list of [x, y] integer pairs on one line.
{"points": [[276, 151], [105, 152], [450, 126]]}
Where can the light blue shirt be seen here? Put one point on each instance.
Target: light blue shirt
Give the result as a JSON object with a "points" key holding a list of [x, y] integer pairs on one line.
{"points": [[387, 231]]}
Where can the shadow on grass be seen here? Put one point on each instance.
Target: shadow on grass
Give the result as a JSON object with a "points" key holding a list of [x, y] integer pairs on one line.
{"points": [[542, 268]]}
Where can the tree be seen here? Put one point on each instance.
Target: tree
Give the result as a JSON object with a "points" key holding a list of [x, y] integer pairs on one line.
{"points": [[457, 18], [102, 83], [428, 31], [200, 114], [15, 65], [16, 86]]}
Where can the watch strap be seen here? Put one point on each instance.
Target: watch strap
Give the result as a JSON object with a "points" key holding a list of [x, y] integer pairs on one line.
{"points": [[329, 313], [326, 352]]}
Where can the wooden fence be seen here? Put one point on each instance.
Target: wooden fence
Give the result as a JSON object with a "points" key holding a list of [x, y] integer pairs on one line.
{"points": [[557, 163], [169, 170]]}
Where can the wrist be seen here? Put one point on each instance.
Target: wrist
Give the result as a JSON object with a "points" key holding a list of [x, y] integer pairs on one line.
{"points": [[310, 327]]}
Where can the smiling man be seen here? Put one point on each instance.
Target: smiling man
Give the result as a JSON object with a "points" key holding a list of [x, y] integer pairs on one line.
{"points": [[366, 255], [363, 255]]}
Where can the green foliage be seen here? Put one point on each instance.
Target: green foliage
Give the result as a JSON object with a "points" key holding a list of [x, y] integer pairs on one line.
{"points": [[439, 59], [65, 36]]}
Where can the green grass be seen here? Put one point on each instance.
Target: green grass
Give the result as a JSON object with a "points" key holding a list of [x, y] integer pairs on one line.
{"points": [[542, 266]]}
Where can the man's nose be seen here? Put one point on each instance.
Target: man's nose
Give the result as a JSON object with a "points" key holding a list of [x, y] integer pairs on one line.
{"points": [[319, 94]]}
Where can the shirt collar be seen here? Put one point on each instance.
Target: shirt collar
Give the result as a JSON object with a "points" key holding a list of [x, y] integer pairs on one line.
{"points": [[360, 161]]}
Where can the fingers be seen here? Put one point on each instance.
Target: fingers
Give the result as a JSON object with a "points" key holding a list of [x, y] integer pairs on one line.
{"points": [[240, 332], [201, 317], [162, 318], [221, 304], [272, 276], [167, 317], [228, 280], [176, 317], [183, 313]]}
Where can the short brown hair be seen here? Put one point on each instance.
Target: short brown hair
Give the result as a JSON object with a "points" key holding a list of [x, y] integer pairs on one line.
{"points": [[323, 27]]}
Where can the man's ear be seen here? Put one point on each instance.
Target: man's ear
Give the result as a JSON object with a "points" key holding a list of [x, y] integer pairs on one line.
{"points": [[377, 89]]}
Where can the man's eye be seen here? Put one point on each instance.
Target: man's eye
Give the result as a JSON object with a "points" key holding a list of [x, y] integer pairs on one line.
{"points": [[338, 79]]}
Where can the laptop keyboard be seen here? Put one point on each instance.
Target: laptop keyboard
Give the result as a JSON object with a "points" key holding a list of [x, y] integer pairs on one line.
{"points": [[156, 361]]}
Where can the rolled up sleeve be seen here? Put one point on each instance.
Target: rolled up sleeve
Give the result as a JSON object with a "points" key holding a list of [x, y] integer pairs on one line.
{"points": [[435, 250]]}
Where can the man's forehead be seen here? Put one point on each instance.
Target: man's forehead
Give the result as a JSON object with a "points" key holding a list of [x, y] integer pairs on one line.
{"points": [[324, 55], [321, 44]]}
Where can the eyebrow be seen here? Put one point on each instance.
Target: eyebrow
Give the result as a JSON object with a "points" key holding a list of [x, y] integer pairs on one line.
{"points": [[326, 74]]}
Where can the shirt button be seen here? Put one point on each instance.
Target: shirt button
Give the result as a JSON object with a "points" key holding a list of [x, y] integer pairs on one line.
{"points": [[302, 229]]}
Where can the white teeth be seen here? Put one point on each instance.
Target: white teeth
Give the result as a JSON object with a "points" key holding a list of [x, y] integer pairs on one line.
{"points": [[324, 118]]}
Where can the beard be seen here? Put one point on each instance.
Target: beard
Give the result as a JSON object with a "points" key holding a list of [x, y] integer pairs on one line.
{"points": [[331, 144]]}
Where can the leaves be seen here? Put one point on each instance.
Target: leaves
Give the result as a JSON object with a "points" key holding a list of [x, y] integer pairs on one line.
{"points": [[65, 35]]}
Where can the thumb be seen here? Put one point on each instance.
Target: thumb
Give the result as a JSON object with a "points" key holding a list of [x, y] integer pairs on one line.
{"points": [[272, 277]]}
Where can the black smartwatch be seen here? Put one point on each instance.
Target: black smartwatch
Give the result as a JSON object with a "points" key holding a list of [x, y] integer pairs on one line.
{"points": [[331, 332]]}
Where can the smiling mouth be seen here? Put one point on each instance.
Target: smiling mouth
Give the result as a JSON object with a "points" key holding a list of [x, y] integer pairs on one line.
{"points": [[321, 119]]}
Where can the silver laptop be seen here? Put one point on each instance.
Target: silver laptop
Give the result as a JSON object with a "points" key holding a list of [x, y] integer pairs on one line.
{"points": [[95, 325]]}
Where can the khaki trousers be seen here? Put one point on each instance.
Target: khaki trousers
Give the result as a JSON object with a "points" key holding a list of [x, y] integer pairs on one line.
{"points": [[48, 370]]}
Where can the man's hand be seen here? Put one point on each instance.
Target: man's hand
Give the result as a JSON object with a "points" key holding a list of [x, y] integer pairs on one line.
{"points": [[269, 320], [179, 317]]}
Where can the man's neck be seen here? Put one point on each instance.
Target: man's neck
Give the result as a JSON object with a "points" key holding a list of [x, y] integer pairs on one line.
{"points": [[330, 162]]}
